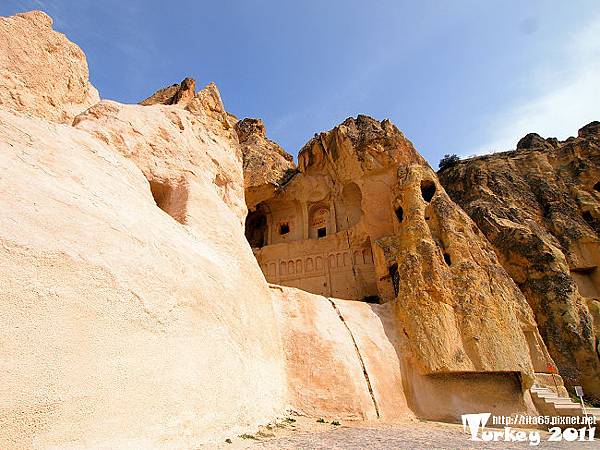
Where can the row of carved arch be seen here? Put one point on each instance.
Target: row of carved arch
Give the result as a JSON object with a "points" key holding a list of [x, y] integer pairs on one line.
{"points": [[311, 264]]}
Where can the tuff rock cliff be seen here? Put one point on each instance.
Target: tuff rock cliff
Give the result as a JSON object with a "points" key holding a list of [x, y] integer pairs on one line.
{"points": [[391, 234], [267, 166], [135, 314], [132, 311], [539, 207]]}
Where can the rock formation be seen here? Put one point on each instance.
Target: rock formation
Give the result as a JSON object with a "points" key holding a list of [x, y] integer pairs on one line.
{"points": [[134, 313], [175, 94], [366, 219], [266, 165], [539, 206], [41, 71]]}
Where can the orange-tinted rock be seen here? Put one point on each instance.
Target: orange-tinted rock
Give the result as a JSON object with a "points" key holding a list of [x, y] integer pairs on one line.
{"points": [[267, 166], [539, 206], [174, 94], [367, 219]]}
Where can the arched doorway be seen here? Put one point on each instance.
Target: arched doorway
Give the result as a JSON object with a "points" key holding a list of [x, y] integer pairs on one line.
{"points": [[318, 223]]}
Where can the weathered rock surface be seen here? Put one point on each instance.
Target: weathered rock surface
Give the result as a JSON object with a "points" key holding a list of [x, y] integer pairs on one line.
{"points": [[132, 311], [339, 361], [41, 72], [366, 219], [471, 314], [181, 93], [267, 166], [539, 206]]}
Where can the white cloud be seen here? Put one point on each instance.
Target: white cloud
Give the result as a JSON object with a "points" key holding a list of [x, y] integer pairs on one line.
{"points": [[569, 99]]}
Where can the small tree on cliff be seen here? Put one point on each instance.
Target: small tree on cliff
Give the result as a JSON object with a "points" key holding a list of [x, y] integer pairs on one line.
{"points": [[448, 160]]}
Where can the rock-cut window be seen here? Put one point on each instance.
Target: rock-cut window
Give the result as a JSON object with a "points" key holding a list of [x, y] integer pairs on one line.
{"points": [[284, 228]]}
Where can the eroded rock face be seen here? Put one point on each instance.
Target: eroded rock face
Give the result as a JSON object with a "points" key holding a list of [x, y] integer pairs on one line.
{"points": [[539, 206], [41, 72], [339, 361], [132, 311], [267, 166], [367, 219], [174, 94]]}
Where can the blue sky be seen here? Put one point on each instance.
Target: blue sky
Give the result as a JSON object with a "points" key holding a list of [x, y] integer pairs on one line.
{"points": [[459, 77]]}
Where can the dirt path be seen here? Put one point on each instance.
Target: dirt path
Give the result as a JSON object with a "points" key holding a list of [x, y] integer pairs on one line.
{"points": [[306, 433]]}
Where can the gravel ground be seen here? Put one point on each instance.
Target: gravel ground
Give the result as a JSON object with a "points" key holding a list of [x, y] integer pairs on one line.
{"points": [[420, 435]]}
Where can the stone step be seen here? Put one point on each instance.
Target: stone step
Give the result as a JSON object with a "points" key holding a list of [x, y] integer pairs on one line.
{"points": [[571, 406], [559, 401], [542, 390]]}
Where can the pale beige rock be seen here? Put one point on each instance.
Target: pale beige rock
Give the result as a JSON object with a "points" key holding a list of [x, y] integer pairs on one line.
{"points": [[120, 326], [41, 71], [339, 361], [166, 143], [112, 307]]}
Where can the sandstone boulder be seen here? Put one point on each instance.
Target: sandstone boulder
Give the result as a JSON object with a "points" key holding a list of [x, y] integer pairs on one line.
{"points": [[339, 361]]}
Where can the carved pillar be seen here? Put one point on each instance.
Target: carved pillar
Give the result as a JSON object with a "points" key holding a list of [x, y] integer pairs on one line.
{"points": [[304, 218], [332, 221], [269, 238]]}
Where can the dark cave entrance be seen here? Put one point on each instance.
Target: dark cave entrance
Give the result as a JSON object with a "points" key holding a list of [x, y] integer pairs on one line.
{"points": [[427, 190], [256, 229]]}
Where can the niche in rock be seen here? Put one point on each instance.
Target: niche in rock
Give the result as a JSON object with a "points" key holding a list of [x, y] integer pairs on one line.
{"points": [[350, 211], [447, 259], [400, 214], [284, 228], [172, 199], [427, 190], [318, 221]]}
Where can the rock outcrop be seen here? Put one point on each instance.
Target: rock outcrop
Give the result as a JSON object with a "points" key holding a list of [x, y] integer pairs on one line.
{"points": [[41, 72], [134, 314], [267, 166], [367, 219], [175, 94], [132, 311], [539, 206]]}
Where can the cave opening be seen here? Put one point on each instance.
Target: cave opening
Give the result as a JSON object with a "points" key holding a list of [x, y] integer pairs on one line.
{"points": [[321, 232], [447, 259], [587, 216], [372, 299], [597, 186], [256, 229], [400, 214], [171, 200], [427, 190]]}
